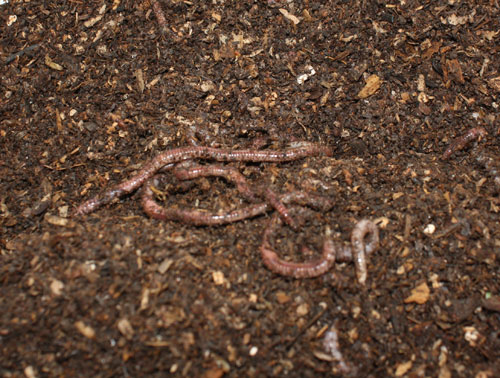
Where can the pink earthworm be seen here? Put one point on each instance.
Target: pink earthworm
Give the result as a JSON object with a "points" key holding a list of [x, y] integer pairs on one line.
{"points": [[176, 155], [331, 252], [229, 173], [232, 174], [274, 201], [202, 217], [195, 216], [462, 141]]}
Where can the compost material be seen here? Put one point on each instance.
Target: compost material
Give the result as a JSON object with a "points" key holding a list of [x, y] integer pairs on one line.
{"points": [[403, 99]]}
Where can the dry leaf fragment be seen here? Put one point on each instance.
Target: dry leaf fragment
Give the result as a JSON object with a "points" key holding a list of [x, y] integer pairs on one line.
{"points": [[289, 16], [379, 29], [434, 48], [488, 34], [305, 76], [307, 15], [454, 69], [495, 83], [11, 19], [458, 20], [51, 64], [372, 85], [216, 16], [403, 368], [419, 295], [282, 297]]}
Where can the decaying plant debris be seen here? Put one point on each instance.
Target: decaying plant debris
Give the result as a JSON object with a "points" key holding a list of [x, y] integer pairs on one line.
{"points": [[90, 91]]}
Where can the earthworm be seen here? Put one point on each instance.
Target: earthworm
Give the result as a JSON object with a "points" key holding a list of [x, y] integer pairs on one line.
{"points": [[360, 249], [189, 172], [196, 217], [308, 269], [231, 174], [331, 252], [273, 200], [462, 141], [205, 218], [199, 152]]}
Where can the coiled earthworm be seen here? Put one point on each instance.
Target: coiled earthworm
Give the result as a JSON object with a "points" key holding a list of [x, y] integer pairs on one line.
{"points": [[462, 141], [331, 252], [176, 155], [205, 218], [231, 174]]}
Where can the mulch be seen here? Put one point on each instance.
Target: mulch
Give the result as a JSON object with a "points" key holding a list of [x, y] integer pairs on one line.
{"points": [[92, 90]]}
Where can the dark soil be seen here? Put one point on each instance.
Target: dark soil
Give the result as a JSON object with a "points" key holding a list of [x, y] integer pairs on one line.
{"points": [[90, 92]]}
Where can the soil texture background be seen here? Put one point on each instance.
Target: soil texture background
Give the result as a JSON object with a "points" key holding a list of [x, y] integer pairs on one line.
{"points": [[92, 90]]}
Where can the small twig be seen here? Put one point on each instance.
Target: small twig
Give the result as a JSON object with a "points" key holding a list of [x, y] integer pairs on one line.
{"points": [[311, 322], [12, 57]]}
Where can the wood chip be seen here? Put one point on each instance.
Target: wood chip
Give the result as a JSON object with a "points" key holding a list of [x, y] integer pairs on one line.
{"points": [[51, 64], [289, 16], [282, 297], [55, 220], [140, 79], [56, 287], [165, 265], [125, 328], [92, 21], [85, 330], [218, 277], [303, 309], [372, 86]]}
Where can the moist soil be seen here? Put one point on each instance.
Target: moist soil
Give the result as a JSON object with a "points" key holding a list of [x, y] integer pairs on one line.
{"points": [[92, 90]]}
